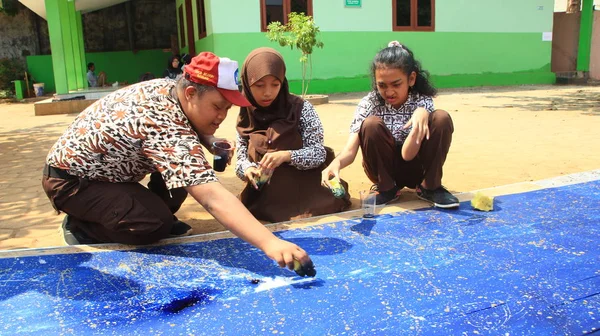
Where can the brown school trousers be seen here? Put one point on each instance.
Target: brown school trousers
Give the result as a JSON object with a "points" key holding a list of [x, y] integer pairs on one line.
{"points": [[125, 213], [382, 156]]}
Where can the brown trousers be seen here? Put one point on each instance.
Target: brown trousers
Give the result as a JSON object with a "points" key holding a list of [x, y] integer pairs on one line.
{"points": [[382, 156], [125, 213], [293, 194]]}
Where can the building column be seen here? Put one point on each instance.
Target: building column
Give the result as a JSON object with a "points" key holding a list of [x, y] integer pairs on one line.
{"points": [[585, 36], [78, 49], [66, 42]]}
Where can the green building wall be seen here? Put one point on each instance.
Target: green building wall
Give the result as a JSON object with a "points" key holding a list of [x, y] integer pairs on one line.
{"points": [[483, 42], [121, 66]]}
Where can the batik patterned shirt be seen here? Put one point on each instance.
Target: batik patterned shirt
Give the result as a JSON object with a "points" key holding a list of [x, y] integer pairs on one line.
{"points": [[393, 118], [130, 133], [311, 155]]}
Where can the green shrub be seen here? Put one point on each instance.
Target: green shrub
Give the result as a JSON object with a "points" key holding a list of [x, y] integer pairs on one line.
{"points": [[10, 69], [9, 7]]}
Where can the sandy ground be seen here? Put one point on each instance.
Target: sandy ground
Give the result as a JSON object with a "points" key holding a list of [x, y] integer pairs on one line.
{"points": [[502, 136]]}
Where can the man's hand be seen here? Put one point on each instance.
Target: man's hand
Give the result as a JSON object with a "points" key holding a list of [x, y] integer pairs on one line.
{"points": [[275, 159], [284, 253], [232, 214], [207, 141]]}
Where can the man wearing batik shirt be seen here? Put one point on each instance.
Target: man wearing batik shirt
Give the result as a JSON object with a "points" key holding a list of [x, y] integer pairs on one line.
{"points": [[156, 127]]}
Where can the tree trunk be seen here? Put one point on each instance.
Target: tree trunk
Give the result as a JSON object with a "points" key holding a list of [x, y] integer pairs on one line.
{"points": [[573, 6]]}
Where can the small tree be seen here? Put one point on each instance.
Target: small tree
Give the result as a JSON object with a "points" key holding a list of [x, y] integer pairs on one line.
{"points": [[301, 33]]}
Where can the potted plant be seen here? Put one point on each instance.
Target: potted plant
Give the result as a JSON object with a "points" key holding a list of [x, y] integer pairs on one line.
{"points": [[300, 33]]}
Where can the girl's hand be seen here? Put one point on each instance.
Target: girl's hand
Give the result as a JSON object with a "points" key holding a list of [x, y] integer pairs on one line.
{"points": [[284, 253], [275, 159], [420, 124], [251, 174], [332, 170]]}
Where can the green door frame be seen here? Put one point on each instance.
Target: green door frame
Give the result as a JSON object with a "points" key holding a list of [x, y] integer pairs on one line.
{"points": [[585, 36]]}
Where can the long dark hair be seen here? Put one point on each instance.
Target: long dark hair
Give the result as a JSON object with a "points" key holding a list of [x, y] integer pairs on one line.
{"points": [[398, 56]]}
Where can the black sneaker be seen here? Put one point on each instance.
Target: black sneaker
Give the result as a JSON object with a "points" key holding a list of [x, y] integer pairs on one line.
{"points": [[385, 197], [180, 229], [76, 237], [439, 197]]}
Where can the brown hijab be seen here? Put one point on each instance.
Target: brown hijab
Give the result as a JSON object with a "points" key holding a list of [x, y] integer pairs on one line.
{"points": [[274, 127]]}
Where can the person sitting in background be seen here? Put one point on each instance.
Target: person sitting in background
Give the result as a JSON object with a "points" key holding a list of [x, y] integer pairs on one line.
{"points": [[173, 70], [93, 80]]}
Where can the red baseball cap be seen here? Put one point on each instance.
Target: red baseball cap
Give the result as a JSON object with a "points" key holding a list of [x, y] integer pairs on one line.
{"points": [[208, 69]]}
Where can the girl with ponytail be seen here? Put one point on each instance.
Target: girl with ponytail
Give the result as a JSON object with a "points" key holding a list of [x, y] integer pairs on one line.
{"points": [[404, 140]]}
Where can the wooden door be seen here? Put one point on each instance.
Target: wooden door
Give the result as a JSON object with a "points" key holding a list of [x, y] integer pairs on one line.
{"points": [[189, 20]]}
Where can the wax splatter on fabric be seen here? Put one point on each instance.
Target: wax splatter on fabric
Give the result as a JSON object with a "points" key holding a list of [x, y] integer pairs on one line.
{"points": [[529, 267]]}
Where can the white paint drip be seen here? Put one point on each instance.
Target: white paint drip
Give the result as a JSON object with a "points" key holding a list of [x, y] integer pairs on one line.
{"points": [[419, 318]]}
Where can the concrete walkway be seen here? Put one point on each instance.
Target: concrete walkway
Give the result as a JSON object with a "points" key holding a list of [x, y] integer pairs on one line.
{"points": [[503, 136]]}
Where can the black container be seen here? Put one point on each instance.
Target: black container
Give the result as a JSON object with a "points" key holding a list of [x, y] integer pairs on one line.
{"points": [[219, 163], [221, 151]]}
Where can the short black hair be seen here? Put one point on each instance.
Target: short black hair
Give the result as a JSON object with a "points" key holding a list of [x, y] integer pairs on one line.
{"points": [[183, 82], [90, 65]]}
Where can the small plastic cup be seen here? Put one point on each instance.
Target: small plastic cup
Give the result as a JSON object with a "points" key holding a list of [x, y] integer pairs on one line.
{"points": [[265, 176], [222, 151], [337, 189], [368, 202]]}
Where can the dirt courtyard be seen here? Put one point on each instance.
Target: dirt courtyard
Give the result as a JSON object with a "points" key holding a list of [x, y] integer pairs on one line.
{"points": [[502, 136]]}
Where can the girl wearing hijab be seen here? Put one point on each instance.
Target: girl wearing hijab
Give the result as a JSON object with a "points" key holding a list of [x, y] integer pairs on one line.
{"points": [[173, 70], [281, 133]]}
